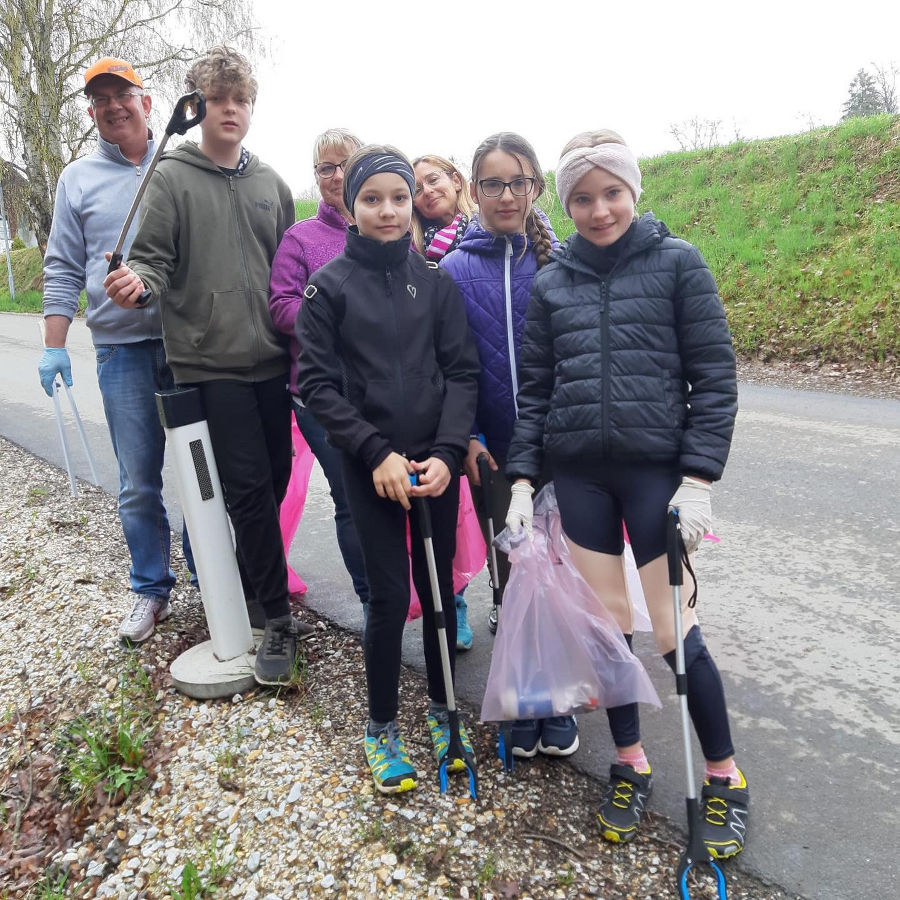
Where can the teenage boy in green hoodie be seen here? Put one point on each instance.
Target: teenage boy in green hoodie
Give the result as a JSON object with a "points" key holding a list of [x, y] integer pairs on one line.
{"points": [[210, 223]]}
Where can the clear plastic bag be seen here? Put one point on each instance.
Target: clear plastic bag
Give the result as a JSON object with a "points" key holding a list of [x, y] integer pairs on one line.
{"points": [[558, 650]]}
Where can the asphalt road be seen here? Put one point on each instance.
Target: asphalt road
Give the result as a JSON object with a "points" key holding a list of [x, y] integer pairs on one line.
{"points": [[798, 602]]}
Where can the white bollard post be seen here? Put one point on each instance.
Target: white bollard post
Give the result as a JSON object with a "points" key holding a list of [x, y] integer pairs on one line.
{"points": [[223, 665]]}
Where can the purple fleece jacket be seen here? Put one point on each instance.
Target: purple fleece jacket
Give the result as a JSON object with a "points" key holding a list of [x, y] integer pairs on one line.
{"points": [[304, 249]]}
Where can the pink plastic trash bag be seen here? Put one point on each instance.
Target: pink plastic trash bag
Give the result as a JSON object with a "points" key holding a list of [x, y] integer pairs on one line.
{"points": [[471, 551], [558, 650], [294, 501]]}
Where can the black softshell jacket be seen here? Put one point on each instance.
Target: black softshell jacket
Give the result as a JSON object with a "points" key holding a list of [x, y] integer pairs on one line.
{"points": [[386, 361], [635, 365]]}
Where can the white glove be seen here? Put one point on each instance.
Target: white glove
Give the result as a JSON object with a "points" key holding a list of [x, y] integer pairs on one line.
{"points": [[521, 508], [692, 500]]}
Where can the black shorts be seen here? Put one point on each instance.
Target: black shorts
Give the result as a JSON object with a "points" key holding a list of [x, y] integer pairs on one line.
{"points": [[592, 506]]}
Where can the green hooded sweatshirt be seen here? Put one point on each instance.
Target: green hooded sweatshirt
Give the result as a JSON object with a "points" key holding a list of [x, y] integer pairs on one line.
{"points": [[204, 249]]}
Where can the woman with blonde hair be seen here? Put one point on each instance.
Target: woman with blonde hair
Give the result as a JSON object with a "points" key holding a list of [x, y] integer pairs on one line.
{"points": [[442, 206]]}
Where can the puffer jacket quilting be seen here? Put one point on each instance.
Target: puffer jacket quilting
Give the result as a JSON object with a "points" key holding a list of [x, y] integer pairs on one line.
{"points": [[635, 365], [478, 267]]}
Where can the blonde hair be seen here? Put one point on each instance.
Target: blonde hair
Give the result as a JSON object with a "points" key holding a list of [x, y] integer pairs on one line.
{"points": [[334, 139], [223, 68], [515, 145], [464, 202]]}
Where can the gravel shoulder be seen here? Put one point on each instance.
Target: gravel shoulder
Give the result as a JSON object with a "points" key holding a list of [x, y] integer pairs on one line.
{"points": [[266, 794]]}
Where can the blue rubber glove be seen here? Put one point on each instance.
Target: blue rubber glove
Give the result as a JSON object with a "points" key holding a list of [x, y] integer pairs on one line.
{"points": [[54, 361]]}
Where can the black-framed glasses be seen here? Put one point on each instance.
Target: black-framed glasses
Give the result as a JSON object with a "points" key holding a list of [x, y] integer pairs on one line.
{"points": [[122, 97], [518, 187], [327, 170]]}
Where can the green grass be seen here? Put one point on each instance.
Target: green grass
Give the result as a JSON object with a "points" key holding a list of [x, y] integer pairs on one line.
{"points": [[305, 209], [801, 232]]}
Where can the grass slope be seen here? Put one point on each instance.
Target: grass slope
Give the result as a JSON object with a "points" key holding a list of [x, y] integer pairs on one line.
{"points": [[801, 232]]}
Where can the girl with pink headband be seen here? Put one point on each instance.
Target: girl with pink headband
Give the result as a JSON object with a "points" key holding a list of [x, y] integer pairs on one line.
{"points": [[628, 395]]}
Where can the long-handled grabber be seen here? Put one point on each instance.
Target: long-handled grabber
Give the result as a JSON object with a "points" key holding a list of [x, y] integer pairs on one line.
{"points": [[486, 476], [179, 123], [57, 408], [455, 750], [696, 852]]}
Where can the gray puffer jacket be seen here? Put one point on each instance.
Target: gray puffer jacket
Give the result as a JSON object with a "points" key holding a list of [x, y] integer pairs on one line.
{"points": [[633, 365]]}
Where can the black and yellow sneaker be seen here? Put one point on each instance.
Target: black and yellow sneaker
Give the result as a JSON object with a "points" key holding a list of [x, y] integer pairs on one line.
{"points": [[724, 811], [622, 806]]}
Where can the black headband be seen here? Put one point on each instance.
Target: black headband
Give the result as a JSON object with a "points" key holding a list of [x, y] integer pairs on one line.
{"points": [[374, 164]]}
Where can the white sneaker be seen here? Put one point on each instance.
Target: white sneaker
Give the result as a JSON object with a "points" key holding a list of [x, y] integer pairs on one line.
{"points": [[146, 611]]}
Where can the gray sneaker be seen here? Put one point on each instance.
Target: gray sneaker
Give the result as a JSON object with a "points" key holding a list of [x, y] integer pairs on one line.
{"points": [[146, 611]]}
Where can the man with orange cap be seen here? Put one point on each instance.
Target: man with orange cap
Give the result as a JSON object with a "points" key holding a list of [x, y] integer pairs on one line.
{"points": [[93, 197]]}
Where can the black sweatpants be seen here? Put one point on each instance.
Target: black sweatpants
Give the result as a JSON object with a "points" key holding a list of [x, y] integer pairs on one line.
{"points": [[250, 431], [381, 526]]}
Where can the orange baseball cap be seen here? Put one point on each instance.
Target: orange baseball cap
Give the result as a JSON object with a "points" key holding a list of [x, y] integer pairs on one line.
{"points": [[109, 65]]}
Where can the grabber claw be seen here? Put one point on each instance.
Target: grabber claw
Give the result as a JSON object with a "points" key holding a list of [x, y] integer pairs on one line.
{"points": [[455, 749], [504, 746], [696, 852]]}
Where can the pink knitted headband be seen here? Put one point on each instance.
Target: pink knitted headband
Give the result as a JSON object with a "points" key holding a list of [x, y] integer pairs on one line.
{"points": [[616, 159]]}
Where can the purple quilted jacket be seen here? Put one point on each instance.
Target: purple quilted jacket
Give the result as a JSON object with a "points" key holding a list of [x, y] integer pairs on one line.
{"points": [[304, 249], [495, 278]]}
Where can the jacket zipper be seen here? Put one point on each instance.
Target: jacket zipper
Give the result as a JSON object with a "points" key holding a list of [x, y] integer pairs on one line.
{"points": [[389, 284], [237, 225], [604, 344], [510, 336]]}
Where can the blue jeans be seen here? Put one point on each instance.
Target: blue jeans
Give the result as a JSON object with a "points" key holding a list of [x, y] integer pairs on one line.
{"points": [[129, 376], [330, 460]]}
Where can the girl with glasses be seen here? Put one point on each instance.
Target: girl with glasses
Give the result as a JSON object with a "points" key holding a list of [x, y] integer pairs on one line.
{"points": [[494, 266], [628, 396]]}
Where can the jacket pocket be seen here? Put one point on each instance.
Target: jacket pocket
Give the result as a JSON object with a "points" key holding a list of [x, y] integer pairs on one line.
{"points": [[229, 340]]}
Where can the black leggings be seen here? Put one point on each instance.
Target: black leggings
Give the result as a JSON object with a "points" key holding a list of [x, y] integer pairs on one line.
{"points": [[706, 702], [381, 526]]}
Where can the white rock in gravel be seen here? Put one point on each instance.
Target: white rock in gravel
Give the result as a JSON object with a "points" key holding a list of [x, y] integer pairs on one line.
{"points": [[327, 881], [261, 815], [136, 839], [253, 861], [237, 698], [295, 793], [398, 874], [152, 832], [94, 869], [389, 859], [171, 856]]}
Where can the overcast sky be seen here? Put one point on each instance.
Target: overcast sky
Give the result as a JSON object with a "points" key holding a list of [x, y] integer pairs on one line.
{"points": [[440, 77]]}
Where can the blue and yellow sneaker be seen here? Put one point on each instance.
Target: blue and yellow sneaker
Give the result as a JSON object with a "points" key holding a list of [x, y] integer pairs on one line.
{"points": [[439, 726], [725, 809], [386, 755]]}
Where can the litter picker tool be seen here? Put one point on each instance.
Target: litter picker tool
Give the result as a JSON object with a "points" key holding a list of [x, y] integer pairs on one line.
{"points": [[57, 408], [179, 123], [455, 750], [486, 476], [696, 852]]}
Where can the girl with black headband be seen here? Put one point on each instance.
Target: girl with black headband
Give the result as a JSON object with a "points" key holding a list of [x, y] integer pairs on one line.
{"points": [[387, 367]]}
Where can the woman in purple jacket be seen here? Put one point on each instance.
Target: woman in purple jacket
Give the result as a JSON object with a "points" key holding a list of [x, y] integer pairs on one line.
{"points": [[305, 248]]}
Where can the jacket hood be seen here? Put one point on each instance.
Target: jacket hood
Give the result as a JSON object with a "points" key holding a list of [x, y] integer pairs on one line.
{"points": [[649, 232], [190, 153]]}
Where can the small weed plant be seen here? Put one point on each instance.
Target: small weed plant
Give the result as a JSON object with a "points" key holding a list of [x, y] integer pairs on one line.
{"points": [[202, 882]]}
